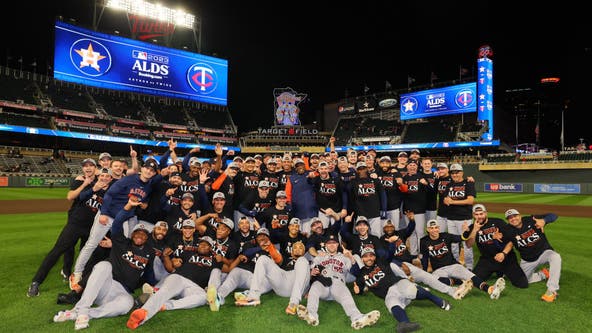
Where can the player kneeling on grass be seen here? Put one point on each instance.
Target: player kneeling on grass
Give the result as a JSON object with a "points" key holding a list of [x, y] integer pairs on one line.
{"points": [[396, 291], [436, 250], [328, 276], [288, 280], [184, 288], [535, 250], [113, 281]]}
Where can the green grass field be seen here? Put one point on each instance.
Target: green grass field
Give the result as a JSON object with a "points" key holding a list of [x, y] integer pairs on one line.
{"points": [[28, 237]]}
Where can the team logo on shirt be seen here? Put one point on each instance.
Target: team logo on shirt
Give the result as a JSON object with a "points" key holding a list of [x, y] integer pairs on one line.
{"points": [[373, 278], [438, 250], [135, 261], [528, 238]]}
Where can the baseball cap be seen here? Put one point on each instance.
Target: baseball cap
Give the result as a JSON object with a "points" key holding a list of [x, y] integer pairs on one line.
{"points": [[107, 171], [105, 155], [366, 250], [294, 220], [412, 162], [151, 163], [287, 158], [219, 195], [179, 161], [456, 167], [441, 165], [323, 164], [194, 161], [187, 196], [402, 154], [272, 161], [140, 227], [361, 219], [88, 160], [237, 158], [189, 223], [228, 222], [360, 165], [249, 159], [511, 212], [233, 165], [258, 157], [342, 159], [332, 238], [281, 194], [208, 240], [432, 223], [175, 174], [263, 231], [479, 208], [351, 151], [298, 161], [385, 158], [316, 220], [388, 223], [315, 155], [263, 183], [162, 224], [414, 151]]}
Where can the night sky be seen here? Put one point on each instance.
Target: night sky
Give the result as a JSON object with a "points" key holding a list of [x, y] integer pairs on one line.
{"points": [[329, 50]]}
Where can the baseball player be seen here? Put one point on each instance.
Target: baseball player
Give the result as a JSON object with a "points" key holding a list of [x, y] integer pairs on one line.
{"points": [[391, 179], [114, 200], [242, 268], [494, 240], [362, 238], [244, 236], [396, 291], [290, 279], [404, 264], [112, 281], [86, 194], [367, 198], [329, 284], [435, 250], [184, 288], [535, 250]]}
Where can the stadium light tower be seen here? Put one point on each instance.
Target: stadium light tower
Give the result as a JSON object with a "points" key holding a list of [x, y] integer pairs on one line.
{"points": [[173, 18]]}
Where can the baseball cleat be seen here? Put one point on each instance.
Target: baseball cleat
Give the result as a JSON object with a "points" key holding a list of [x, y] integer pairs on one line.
{"points": [[64, 275], [445, 305], [463, 289], [498, 287], [33, 289], [63, 316], [407, 327], [368, 319], [147, 289], [549, 297], [241, 295], [212, 297], [303, 314], [291, 309], [545, 272], [136, 318], [247, 302], [81, 322]]}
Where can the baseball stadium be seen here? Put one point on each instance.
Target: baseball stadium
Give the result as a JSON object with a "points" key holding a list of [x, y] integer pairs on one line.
{"points": [[131, 200]]}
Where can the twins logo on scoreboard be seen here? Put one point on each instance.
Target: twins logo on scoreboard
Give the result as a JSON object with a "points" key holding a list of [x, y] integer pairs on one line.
{"points": [[465, 98], [90, 57], [202, 78]]}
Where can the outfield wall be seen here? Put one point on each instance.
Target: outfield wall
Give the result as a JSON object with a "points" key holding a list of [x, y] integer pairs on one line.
{"points": [[578, 181], [34, 181]]}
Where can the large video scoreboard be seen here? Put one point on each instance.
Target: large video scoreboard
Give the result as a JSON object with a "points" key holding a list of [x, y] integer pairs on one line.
{"points": [[112, 62]]}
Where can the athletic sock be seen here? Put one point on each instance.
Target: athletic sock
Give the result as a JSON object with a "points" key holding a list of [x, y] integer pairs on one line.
{"points": [[424, 294], [399, 314]]}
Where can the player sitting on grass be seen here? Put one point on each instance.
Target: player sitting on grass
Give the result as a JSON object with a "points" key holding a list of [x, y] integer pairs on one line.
{"points": [[396, 291], [436, 250], [535, 250]]}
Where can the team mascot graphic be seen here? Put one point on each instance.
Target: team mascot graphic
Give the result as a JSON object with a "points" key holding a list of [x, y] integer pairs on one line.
{"points": [[286, 106]]}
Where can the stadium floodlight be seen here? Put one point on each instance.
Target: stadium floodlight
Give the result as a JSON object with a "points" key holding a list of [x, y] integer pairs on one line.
{"points": [[177, 17]]}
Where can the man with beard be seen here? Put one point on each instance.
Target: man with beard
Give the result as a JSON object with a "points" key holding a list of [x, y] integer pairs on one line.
{"points": [[367, 198], [277, 216], [390, 180], [112, 282], [176, 214], [330, 194], [257, 202], [301, 196]]}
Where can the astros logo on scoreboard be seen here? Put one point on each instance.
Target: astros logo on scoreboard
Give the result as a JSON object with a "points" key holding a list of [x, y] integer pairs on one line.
{"points": [[202, 78], [409, 105], [90, 57]]}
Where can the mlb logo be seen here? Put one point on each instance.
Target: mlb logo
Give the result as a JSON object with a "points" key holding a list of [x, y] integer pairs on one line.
{"points": [[140, 55]]}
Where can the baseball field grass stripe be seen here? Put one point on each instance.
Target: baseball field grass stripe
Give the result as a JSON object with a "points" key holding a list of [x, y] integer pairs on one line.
{"points": [[25, 193]]}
